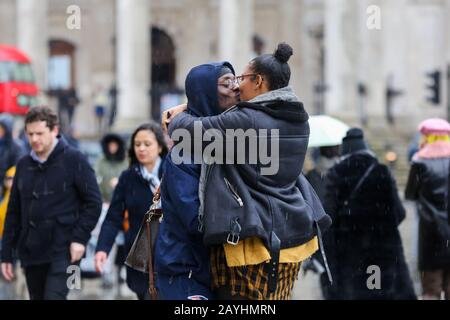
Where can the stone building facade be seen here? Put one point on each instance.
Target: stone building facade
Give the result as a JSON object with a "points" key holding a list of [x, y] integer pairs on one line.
{"points": [[340, 65]]}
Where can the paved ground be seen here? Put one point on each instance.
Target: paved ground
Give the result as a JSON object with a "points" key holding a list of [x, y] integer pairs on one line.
{"points": [[307, 287]]}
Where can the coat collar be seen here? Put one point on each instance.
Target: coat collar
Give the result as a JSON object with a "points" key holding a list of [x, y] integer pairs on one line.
{"points": [[58, 146], [136, 168]]}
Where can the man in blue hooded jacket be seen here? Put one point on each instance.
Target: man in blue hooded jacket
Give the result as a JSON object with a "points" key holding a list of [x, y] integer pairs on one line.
{"points": [[181, 259]]}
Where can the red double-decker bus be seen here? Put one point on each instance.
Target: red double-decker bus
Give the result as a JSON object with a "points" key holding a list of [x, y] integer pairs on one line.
{"points": [[18, 90]]}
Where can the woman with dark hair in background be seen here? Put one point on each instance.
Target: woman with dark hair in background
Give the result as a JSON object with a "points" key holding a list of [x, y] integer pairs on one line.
{"points": [[134, 194]]}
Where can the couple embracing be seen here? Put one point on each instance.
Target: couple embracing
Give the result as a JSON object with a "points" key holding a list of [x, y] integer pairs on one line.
{"points": [[233, 229]]}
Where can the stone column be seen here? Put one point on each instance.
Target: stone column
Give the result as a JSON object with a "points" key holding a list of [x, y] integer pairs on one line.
{"points": [[447, 35], [340, 57], [370, 64], [235, 32], [133, 63], [32, 36], [290, 21], [195, 41], [8, 22]]}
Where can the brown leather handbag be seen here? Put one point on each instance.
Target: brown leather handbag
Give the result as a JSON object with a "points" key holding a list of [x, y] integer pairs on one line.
{"points": [[141, 253]]}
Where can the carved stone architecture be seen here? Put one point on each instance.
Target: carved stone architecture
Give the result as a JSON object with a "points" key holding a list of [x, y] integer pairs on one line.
{"points": [[146, 47]]}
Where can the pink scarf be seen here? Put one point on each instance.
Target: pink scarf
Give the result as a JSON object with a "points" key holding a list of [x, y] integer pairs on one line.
{"points": [[438, 149]]}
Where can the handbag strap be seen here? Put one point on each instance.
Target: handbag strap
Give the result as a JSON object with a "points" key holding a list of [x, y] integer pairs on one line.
{"points": [[152, 288], [360, 182], [151, 279]]}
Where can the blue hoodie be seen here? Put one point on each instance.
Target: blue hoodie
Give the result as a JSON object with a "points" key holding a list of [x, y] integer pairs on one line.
{"points": [[179, 246]]}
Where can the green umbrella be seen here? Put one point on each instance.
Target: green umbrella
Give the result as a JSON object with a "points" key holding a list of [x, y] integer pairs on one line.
{"points": [[326, 131]]}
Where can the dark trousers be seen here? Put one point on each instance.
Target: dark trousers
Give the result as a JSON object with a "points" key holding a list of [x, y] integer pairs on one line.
{"points": [[181, 287], [224, 293], [48, 281], [143, 296]]}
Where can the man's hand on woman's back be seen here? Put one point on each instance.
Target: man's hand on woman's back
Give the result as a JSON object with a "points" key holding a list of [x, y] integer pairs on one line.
{"points": [[169, 114]]}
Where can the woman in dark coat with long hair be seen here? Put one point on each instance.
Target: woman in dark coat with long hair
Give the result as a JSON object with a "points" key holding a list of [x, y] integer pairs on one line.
{"points": [[134, 194], [363, 246]]}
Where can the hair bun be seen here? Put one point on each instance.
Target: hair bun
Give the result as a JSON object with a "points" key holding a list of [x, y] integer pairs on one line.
{"points": [[283, 52]]}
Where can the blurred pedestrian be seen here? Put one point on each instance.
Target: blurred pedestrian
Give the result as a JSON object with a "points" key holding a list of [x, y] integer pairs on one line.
{"points": [[55, 203], [324, 159], [113, 105], [6, 288], [133, 194], [327, 157], [108, 169], [11, 150], [67, 103], [100, 107], [4, 196], [71, 138], [362, 199], [24, 141], [181, 258], [428, 185]]}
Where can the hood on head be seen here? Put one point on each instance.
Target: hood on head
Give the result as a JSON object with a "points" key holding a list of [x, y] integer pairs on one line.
{"points": [[7, 122], [201, 89], [121, 152]]}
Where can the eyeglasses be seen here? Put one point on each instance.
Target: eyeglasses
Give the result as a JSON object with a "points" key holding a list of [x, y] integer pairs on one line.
{"points": [[240, 78], [228, 83]]}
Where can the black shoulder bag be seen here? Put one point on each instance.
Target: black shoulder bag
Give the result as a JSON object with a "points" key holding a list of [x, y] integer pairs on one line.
{"points": [[141, 253]]}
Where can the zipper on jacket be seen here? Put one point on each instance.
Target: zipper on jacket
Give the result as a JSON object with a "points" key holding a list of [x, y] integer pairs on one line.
{"points": [[233, 191], [200, 217], [200, 223]]}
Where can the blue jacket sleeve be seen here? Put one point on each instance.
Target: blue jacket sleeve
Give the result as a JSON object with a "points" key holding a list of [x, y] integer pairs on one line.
{"points": [[114, 217], [180, 195]]}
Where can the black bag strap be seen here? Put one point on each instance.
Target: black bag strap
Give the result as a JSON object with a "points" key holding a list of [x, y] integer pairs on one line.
{"points": [[152, 213], [360, 182], [322, 252], [272, 276]]}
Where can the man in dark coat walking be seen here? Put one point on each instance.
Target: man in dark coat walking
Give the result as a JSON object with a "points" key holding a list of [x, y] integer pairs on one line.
{"points": [[364, 246], [55, 203]]}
